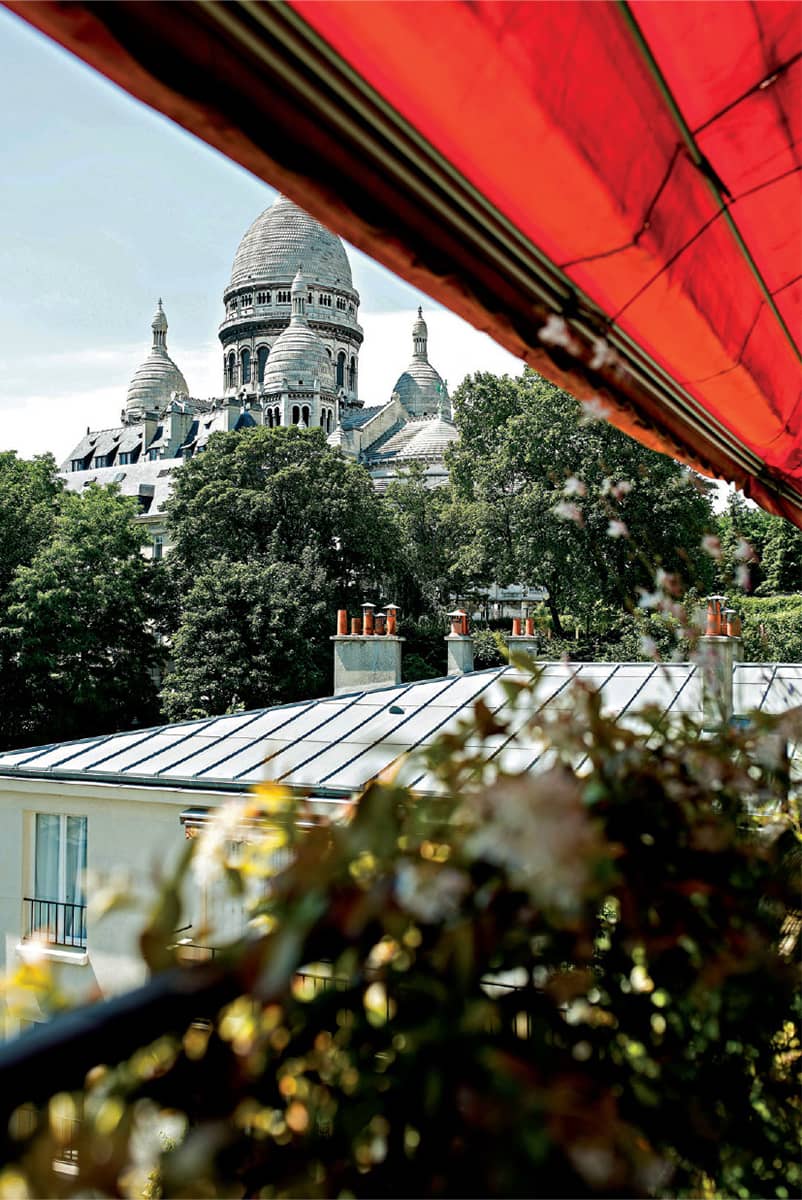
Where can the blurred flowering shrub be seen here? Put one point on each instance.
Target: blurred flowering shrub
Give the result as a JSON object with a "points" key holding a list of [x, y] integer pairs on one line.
{"points": [[577, 982]]}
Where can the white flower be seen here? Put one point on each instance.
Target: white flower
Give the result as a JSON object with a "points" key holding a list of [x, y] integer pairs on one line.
{"points": [[617, 529], [603, 355], [745, 551], [574, 487], [556, 333], [648, 646], [743, 577], [711, 545], [428, 892], [539, 831], [649, 599], [621, 489], [211, 844], [594, 409], [567, 511]]}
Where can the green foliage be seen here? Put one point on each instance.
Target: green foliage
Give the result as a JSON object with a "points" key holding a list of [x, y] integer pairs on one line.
{"points": [[80, 635], [489, 648], [424, 654], [571, 983], [423, 573], [274, 495], [772, 628], [552, 498], [250, 635], [273, 532], [781, 560], [29, 496]]}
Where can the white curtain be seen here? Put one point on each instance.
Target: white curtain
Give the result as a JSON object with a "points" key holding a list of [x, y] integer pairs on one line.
{"points": [[46, 879], [75, 862]]}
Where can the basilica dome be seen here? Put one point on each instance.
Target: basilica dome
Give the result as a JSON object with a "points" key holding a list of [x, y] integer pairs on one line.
{"points": [[420, 388], [282, 237], [155, 380]]}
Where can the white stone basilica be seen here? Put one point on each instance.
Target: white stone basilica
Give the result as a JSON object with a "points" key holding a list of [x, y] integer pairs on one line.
{"points": [[291, 343]]}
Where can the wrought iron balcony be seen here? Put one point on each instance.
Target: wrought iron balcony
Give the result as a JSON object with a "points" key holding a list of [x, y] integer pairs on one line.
{"points": [[56, 922]]}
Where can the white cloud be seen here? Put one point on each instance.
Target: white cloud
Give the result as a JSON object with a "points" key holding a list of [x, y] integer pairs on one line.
{"points": [[57, 421]]}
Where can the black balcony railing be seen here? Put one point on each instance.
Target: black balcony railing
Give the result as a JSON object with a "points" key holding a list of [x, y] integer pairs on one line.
{"points": [[57, 922]]}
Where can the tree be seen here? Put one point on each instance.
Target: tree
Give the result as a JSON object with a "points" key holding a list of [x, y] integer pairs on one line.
{"points": [[426, 520], [81, 628], [272, 531], [251, 634], [557, 499], [29, 495], [275, 494], [781, 559]]}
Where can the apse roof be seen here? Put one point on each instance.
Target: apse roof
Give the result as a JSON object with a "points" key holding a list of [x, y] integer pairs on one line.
{"points": [[334, 746]]}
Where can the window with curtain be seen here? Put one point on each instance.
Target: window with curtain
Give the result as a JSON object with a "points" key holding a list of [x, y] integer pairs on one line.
{"points": [[57, 904]]}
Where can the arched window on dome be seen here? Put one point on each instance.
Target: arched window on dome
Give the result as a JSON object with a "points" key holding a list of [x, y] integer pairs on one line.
{"points": [[231, 373], [352, 375], [263, 297], [305, 415], [296, 414], [341, 369], [329, 420], [246, 366], [261, 362], [276, 415]]}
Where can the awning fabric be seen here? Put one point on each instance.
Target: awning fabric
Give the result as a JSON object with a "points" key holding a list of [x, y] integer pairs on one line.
{"points": [[631, 171]]}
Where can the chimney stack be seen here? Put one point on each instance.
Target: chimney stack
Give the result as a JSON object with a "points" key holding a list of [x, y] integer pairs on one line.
{"points": [[720, 649], [459, 644], [523, 642], [370, 656]]}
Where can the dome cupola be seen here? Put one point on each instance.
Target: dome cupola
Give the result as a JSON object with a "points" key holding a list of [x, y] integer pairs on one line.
{"points": [[420, 388], [281, 237], [259, 300], [299, 360], [157, 378]]}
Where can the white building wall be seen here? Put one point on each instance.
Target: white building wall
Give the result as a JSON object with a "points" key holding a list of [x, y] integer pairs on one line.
{"points": [[132, 830]]}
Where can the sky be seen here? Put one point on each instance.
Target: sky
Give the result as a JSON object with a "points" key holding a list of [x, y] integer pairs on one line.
{"points": [[106, 206]]}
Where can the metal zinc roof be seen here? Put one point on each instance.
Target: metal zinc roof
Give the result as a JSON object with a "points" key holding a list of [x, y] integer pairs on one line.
{"points": [[335, 745]]}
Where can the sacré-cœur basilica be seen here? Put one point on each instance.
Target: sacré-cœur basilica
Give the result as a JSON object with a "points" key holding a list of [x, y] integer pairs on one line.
{"points": [[291, 342]]}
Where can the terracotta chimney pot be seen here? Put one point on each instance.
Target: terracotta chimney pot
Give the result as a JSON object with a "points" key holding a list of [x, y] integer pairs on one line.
{"points": [[392, 610], [380, 619], [516, 626], [356, 626], [367, 618], [530, 626], [342, 622]]}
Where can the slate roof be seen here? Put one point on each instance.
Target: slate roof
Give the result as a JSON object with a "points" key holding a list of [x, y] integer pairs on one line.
{"points": [[143, 478], [333, 746]]}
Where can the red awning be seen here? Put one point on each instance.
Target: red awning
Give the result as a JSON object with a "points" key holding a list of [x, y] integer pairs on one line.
{"points": [[632, 170], [651, 151]]}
